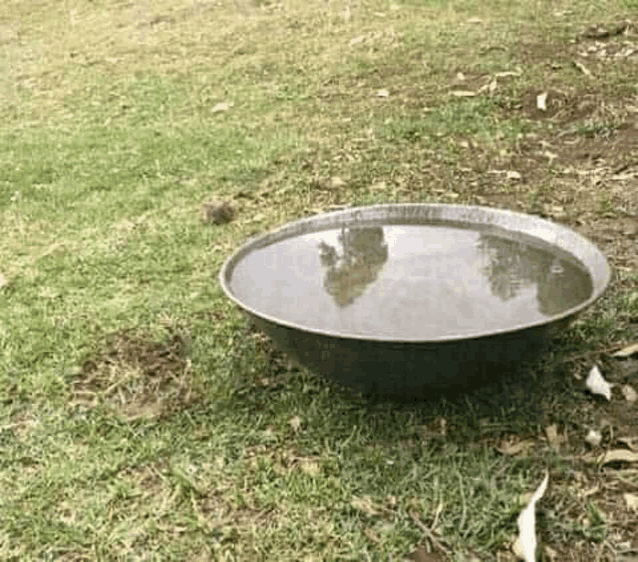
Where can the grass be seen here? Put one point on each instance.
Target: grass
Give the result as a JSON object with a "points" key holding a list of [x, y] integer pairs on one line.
{"points": [[140, 419]]}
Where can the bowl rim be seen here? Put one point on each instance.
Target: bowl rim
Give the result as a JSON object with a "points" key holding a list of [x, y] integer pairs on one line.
{"points": [[544, 230]]}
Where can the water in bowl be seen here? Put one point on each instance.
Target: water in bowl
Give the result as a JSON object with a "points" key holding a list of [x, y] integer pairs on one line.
{"points": [[410, 282]]}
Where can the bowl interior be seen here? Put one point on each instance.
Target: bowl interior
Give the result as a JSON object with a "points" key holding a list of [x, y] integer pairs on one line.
{"points": [[416, 273]]}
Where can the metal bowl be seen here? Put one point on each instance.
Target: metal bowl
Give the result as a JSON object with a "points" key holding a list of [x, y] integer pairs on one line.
{"points": [[403, 300]]}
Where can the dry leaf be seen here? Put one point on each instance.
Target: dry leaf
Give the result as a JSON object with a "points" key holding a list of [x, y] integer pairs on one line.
{"points": [[580, 66], [597, 384], [379, 186], [513, 448], [593, 438], [357, 40], [618, 455], [224, 106], [629, 393], [550, 553], [463, 94], [627, 351], [4, 282], [383, 94], [525, 544], [631, 442], [632, 501], [507, 73], [391, 502], [336, 182], [310, 467], [513, 175], [295, 423], [555, 440], [367, 506], [541, 101], [372, 536]]}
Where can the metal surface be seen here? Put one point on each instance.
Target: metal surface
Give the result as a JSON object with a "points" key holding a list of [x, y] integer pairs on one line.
{"points": [[409, 365]]}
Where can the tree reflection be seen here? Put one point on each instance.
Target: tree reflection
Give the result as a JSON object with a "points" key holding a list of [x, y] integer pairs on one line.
{"points": [[513, 265], [358, 263]]}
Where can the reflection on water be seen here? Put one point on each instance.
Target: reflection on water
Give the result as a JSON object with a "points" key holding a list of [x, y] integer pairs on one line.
{"points": [[409, 281], [357, 264], [513, 266]]}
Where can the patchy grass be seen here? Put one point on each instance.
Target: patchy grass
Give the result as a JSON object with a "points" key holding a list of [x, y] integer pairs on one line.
{"points": [[141, 419]]}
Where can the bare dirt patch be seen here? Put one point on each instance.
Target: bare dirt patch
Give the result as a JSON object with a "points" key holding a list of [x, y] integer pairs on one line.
{"points": [[137, 377]]}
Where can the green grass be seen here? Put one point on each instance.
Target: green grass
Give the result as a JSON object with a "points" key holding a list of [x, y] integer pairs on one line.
{"points": [[109, 145]]}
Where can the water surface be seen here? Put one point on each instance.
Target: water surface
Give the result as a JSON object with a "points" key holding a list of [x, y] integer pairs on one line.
{"points": [[409, 282]]}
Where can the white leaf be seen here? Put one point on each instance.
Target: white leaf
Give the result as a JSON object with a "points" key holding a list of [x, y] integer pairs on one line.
{"points": [[580, 66], [593, 438], [463, 94], [525, 545], [619, 455], [221, 107], [632, 501], [627, 351], [507, 73], [629, 393], [295, 423], [597, 384], [541, 101]]}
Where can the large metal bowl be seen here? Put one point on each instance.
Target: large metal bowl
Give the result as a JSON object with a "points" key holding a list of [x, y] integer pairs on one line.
{"points": [[410, 362]]}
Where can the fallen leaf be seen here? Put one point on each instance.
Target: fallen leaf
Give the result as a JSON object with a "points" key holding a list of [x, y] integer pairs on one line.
{"points": [[629, 393], [593, 438], [550, 553], [597, 384], [383, 93], [224, 106], [525, 545], [513, 448], [367, 506], [379, 186], [4, 282], [541, 101], [632, 501], [336, 182], [506, 74], [391, 502], [475, 20], [295, 423], [309, 467], [580, 66], [357, 40], [553, 437], [627, 351], [631, 442], [618, 455], [463, 94], [513, 175], [372, 536]]}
